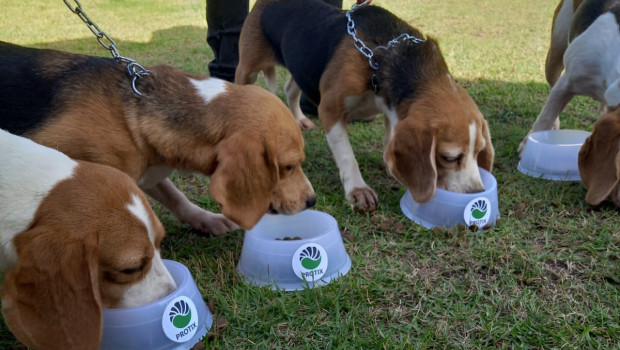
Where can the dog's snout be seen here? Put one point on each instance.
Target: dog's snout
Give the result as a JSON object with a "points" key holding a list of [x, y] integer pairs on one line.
{"points": [[170, 287], [476, 188], [272, 209], [311, 202]]}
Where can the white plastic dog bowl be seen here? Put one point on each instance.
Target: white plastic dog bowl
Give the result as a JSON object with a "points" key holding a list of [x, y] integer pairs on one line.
{"points": [[447, 209], [314, 259], [552, 154], [177, 321]]}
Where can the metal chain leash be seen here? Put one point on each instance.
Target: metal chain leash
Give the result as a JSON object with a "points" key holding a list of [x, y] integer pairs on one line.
{"points": [[359, 44], [134, 69], [368, 52], [399, 39]]}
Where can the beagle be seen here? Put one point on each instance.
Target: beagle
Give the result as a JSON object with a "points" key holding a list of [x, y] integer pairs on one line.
{"points": [[75, 237], [435, 134], [585, 43], [242, 137], [599, 160]]}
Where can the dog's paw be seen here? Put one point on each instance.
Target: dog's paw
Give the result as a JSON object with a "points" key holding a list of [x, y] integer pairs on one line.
{"points": [[208, 222], [305, 124], [363, 199]]}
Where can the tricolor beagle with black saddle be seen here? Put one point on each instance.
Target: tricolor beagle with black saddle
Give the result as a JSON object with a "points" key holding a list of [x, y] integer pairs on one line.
{"points": [[242, 137], [357, 64]]}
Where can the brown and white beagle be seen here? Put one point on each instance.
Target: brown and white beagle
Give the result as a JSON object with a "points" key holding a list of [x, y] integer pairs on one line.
{"points": [[75, 237], [585, 46], [242, 137], [599, 160], [435, 134]]}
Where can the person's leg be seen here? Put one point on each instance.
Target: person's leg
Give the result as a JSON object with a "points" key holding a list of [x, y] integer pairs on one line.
{"points": [[224, 21]]}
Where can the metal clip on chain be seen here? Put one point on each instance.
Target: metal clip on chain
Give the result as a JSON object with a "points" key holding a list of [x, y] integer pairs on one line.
{"points": [[134, 69]]}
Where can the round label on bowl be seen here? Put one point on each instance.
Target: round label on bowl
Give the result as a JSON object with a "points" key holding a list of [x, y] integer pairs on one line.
{"points": [[310, 262], [180, 319], [477, 212]]}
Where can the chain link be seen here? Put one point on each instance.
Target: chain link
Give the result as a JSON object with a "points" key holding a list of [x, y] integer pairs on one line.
{"points": [[368, 52], [134, 69], [400, 39], [359, 44]]}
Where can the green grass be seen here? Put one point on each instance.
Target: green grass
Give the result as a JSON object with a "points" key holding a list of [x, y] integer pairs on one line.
{"points": [[548, 276]]}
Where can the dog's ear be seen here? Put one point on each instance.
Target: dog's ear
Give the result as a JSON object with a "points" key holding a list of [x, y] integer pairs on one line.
{"points": [[51, 299], [410, 155], [612, 94], [486, 156], [244, 178], [599, 159]]}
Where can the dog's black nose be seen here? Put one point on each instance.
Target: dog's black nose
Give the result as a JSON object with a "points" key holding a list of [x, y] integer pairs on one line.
{"points": [[272, 210], [311, 202]]}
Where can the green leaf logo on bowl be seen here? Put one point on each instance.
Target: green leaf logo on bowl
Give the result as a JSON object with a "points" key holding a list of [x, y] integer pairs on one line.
{"points": [[180, 314], [479, 209], [310, 258]]}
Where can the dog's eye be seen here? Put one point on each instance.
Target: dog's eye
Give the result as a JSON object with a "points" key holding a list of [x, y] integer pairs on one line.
{"points": [[132, 270], [451, 159], [290, 168]]}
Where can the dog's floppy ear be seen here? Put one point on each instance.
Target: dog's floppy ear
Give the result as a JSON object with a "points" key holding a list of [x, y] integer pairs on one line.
{"points": [[50, 299], [245, 175], [487, 154], [599, 159], [411, 154]]}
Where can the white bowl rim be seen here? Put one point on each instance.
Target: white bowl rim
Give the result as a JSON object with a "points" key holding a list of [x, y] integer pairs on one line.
{"points": [[333, 224], [539, 137]]}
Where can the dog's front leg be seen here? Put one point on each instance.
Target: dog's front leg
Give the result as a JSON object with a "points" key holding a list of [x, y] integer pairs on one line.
{"points": [[549, 117], [187, 212], [356, 190]]}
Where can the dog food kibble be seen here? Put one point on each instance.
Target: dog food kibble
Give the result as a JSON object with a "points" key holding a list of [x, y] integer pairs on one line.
{"points": [[473, 228], [287, 238]]}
